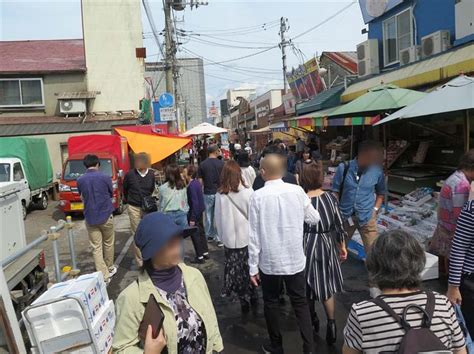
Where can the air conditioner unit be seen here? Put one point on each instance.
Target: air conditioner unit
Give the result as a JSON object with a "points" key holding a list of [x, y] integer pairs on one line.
{"points": [[368, 57], [464, 17], [435, 43], [72, 106], [409, 55]]}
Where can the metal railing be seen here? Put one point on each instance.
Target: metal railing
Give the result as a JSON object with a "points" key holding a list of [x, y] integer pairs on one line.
{"points": [[54, 235]]}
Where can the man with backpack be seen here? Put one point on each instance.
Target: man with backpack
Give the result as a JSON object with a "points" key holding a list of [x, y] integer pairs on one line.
{"points": [[360, 187]]}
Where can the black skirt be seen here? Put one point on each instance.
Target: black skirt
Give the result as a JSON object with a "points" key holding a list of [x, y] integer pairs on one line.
{"points": [[236, 274]]}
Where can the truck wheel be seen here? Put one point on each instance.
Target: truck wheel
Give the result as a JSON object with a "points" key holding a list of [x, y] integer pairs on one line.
{"points": [[43, 201], [24, 210]]}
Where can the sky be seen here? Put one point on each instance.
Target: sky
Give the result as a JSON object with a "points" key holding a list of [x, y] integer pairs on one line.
{"points": [[221, 31]]}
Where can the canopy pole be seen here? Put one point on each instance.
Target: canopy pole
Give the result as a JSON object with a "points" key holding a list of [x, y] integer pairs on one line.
{"points": [[467, 127], [352, 141]]}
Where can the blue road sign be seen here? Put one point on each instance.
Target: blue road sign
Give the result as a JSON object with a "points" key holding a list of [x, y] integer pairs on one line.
{"points": [[166, 100]]}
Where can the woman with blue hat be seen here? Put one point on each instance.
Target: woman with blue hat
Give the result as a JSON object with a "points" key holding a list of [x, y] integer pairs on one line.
{"points": [[190, 322]]}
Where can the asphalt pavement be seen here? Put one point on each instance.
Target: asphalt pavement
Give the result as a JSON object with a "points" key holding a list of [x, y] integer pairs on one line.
{"points": [[241, 334]]}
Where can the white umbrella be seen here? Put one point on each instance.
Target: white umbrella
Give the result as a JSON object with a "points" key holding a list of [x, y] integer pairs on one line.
{"points": [[456, 95], [204, 129]]}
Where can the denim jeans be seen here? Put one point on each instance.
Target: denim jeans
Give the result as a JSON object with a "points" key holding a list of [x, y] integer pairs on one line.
{"points": [[209, 225]]}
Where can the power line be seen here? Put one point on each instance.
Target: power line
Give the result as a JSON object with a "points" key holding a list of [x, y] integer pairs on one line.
{"points": [[205, 41], [325, 21], [149, 16]]}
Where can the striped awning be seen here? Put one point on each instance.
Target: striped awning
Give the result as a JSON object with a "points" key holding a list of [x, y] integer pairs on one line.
{"points": [[322, 122]]}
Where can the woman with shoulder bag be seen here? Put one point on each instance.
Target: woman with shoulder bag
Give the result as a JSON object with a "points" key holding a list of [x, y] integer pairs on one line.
{"points": [[231, 215], [189, 320], [173, 196]]}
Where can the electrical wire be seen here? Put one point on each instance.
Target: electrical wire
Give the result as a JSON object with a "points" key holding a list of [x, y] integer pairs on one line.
{"points": [[223, 45], [149, 16], [337, 13]]}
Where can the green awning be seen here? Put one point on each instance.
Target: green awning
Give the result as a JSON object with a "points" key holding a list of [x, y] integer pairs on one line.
{"points": [[379, 99], [323, 100]]}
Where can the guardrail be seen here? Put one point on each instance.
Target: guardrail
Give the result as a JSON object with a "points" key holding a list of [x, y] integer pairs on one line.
{"points": [[53, 234]]}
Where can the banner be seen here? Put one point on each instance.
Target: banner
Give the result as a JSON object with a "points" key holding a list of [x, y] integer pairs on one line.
{"points": [[304, 81]]}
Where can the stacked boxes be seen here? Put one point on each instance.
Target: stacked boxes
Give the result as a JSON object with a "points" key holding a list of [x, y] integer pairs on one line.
{"points": [[78, 308]]}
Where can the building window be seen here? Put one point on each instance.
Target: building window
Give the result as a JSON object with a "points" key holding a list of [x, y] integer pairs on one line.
{"points": [[397, 35], [21, 93]]}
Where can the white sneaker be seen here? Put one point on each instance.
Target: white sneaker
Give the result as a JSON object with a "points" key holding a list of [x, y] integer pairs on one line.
{"points": [[112, 271], [374, 292]]}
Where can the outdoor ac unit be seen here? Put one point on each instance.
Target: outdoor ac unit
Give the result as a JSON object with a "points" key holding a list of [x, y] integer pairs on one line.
{"points": [[435, 43], [72, 106], [464, 15], [368, 58], [409, 55]]}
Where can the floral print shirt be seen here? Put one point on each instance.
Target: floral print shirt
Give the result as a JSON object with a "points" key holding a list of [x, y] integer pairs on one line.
{"points": [[191, 330]]}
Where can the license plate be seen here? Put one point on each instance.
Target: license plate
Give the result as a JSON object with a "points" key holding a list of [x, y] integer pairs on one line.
{"points": [[77, 206]]}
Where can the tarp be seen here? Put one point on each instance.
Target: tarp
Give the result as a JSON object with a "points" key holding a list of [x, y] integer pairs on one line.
{"points": [[379, 99], [34, 155], [157, 146], [101, 143], [456, 95], [204, 129]]}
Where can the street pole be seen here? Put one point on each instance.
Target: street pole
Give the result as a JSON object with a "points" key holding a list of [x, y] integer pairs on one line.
{"points": [[170, 53], [283, 43]]}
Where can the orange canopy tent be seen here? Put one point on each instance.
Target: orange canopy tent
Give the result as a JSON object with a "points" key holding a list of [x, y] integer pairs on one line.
{"points": [[158, 146]]}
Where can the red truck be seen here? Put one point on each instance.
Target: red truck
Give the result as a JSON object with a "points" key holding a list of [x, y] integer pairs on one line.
{"points": [[113, 154]]}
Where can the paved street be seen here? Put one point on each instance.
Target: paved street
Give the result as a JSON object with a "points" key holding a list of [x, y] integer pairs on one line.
{"points": [[241, 335]]}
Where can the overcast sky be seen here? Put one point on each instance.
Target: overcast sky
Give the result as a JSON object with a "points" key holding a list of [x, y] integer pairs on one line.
{"points": [[216, 29]]}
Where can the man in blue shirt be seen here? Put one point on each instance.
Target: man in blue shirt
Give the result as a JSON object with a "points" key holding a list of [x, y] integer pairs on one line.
{"points": [[96, 192], [360, 187]]}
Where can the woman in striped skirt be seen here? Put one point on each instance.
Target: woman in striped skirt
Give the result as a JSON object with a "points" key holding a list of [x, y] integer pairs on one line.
{"points": [[325, 248]]}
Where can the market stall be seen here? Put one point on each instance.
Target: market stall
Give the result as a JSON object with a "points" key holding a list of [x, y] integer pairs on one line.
{"points": [[432, 128]]}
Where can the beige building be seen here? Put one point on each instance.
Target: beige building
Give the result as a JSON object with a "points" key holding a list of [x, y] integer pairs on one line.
{"points": [[61, 88], [112, 32]]}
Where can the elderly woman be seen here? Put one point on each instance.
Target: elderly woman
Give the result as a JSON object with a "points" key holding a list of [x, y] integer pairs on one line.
{"points": [[190, 323], [454, 194], [395, 263]]}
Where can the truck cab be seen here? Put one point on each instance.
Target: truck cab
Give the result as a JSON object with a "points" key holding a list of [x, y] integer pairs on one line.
{"points": [[70, 199], [13, 172]]}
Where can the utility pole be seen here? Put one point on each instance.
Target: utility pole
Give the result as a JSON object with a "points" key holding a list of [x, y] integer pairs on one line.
{"points": [[169, 45], [283, 44]]}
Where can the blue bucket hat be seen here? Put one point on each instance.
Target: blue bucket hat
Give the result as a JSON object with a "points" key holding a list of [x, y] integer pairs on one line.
{"points": [[155, 230]]}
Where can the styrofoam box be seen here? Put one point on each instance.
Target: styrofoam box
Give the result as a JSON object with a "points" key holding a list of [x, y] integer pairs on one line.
{"points": [[431, 270], [89, 288], [53, 320], [103, 330]]}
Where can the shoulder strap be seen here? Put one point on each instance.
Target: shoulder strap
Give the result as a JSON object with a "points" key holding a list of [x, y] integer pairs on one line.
{"points": [[344, 175], [244, 214], [380, 302], [427, 312]]}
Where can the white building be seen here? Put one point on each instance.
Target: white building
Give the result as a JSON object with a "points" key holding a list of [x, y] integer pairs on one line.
{"points": [[191, 87]]}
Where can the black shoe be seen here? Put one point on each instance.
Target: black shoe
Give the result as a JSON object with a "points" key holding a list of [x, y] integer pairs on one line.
{"points": [[282, 300], [331, 332], [269, 349], [210, 239], [198, 261], [206, 256]]}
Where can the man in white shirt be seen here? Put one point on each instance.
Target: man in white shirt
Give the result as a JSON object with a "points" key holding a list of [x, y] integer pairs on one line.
{"points": [[277, 213]]}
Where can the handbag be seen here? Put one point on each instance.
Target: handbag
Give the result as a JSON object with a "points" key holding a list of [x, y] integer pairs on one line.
{"points": [[148, 202]]}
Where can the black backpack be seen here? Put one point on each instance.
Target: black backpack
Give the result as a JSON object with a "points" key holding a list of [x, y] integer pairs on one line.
{"points": [[416, 340]]}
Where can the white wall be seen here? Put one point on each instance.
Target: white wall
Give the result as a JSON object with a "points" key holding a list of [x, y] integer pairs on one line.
{"points": [[112, 31]]}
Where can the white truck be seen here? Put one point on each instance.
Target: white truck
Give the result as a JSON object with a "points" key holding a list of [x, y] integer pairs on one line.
{"points": [[26, 161], [25, 274]]}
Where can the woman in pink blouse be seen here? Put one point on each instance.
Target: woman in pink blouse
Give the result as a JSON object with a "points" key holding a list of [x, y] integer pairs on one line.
{"points": [[453, 196]]}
